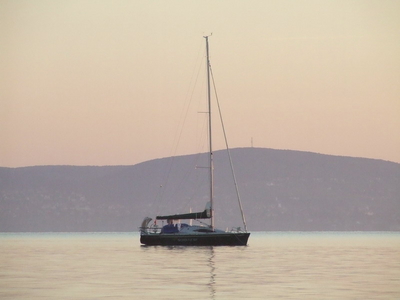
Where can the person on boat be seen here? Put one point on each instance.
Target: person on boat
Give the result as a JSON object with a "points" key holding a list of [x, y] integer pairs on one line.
{"points": [[170, 227]]}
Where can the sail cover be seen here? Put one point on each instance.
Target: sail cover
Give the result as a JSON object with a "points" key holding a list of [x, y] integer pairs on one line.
{"points": [[199, 215]]}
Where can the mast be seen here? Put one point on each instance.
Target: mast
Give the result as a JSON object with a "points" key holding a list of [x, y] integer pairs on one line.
{"points": [[211, 164]]}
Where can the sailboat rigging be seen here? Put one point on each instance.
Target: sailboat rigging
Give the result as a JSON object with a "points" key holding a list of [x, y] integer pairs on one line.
{"points": [[197, 235]]}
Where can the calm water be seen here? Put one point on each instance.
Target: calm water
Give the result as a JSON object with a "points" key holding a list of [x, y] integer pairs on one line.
{"points": [[272, 266]]}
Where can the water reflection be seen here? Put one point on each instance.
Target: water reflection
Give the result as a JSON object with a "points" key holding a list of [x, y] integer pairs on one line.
{"points": [[281, 266], [211, 264], [187, 268]]}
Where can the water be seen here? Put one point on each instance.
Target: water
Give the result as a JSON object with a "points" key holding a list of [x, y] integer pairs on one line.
{"points": [[273, 266]]}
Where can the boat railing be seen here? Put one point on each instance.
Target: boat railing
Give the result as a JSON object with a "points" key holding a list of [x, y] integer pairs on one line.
{"points": [[153, 229], [237, 229]]}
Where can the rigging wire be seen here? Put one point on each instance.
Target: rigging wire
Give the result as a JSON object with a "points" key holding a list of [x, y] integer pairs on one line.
{"points": [[178, 134], [229, 153]]}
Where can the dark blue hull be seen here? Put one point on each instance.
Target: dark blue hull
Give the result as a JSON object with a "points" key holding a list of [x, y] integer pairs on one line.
{"points": [[212, 239]]}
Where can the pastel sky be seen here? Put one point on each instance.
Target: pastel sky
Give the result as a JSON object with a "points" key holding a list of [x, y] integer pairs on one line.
{"points": [[111, 82]]}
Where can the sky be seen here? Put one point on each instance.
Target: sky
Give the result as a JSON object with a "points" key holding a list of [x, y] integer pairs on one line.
{"points": [[115, 82]]}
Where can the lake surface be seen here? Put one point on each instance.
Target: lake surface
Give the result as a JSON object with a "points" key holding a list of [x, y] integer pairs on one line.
{"points": [[273, 266]]}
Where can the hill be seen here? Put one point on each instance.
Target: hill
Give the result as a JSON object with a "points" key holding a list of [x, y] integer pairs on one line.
{"points": [[280, 190]]}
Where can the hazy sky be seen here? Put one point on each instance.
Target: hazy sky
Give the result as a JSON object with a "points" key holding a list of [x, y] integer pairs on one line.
{"points": [[110, 82]]}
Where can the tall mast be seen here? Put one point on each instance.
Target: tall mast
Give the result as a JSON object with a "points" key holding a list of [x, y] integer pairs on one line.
{"points": [[211, 165]]}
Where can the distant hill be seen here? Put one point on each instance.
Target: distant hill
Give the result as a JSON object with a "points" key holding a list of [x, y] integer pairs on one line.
{"points": [[280, 190]]}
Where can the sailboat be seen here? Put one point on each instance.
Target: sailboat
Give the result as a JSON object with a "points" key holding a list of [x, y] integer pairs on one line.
{"points": [[195, 235]]}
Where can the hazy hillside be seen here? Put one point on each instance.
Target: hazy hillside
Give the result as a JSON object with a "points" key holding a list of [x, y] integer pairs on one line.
{"points": [[281, 190]]}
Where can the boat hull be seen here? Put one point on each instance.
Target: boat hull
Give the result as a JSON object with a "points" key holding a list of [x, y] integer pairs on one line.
{"points": [[208, 239]]}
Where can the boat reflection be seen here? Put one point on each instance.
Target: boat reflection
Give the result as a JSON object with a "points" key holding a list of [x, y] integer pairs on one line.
{"points": [[211, 264], [183, 269]]}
